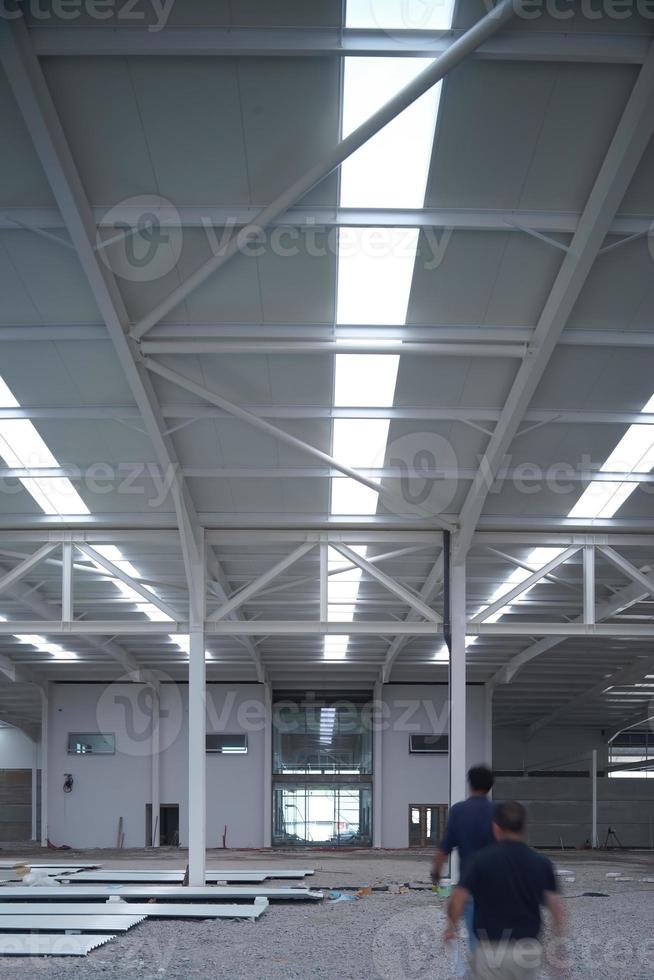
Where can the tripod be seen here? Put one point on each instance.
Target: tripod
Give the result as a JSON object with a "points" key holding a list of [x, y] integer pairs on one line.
{"points": [[611, 837]]}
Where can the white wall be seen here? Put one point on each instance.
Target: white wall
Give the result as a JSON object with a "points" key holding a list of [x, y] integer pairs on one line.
{"points": [[16, 749], [111, 786], [406, 778], [235, 790]]}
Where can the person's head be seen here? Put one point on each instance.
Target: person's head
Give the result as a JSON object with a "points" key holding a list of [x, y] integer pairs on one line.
{"points": [[509, 820], [480, 780]]}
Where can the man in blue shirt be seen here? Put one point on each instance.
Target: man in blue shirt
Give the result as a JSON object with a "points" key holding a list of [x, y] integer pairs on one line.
{"points": [[469, 829], [509, 883]]}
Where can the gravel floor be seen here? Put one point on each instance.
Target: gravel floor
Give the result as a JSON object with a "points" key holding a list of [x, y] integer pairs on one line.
{"points": [[380, 937]]}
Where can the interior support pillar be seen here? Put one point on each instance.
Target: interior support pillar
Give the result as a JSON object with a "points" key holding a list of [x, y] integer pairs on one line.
{"points": [[35, 789], [197, 723], [594, 842], [377, 759], [45, 713], [457, 690], [155, 749], [488, 724], [267, 765]]}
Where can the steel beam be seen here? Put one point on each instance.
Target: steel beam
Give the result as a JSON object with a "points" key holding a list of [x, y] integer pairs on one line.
{"points": [[631, 138], [246, 593], [9, 578], [324, 218], [259, 41], [432, 582], [420, 333], [254, 627], [433, 348], [279, 434], [303, 412], [33, 599], [528, 628], [630, 570], [389, 583], [455, 54], [117, 572], [521, 587]]}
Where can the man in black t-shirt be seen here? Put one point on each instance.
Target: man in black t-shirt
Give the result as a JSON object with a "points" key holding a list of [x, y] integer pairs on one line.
{"points": [[509, 883]]}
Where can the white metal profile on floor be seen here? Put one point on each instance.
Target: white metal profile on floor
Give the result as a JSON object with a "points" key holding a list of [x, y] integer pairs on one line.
{"points": [[158, 876], [24, 944], [151, 910], [73, 893], [88, 921]]}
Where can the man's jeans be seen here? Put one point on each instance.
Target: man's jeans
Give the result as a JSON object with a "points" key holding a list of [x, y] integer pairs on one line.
{"points": [[469, 915]]}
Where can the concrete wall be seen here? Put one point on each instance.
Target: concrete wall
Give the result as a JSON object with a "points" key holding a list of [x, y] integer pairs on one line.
{"points": [[560, 809], [407, 778], [111, 786]]}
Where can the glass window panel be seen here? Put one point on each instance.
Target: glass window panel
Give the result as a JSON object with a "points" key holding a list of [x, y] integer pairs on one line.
{"points": [[310, 814], [91, 743]]}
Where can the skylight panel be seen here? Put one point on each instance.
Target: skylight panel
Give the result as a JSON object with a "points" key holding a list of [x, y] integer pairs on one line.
{"points": [[397, 15], [390, 170], [360, 442], [375, 274], [633, 454], [365, 380], [22, 446]]}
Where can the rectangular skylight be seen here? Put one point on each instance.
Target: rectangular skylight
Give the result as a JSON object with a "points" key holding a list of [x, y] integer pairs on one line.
{"points": [[390, 170], [633, 454], [375, 265], [398, 15], [21, 445]]}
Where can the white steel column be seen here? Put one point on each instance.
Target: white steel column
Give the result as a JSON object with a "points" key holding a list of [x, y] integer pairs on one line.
{"points": [[488, 724], [197, 725], [377, 760], [267, 766], [589, 583], [457, 692], [155, 745], [593, 840], [45, 709], [35, 778]]}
